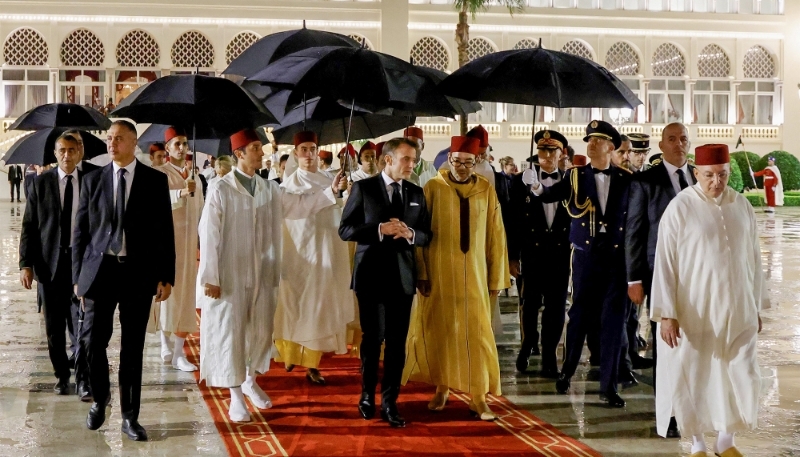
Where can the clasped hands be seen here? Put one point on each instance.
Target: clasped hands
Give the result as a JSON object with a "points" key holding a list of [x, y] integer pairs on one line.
{"points": [[396, 228]]}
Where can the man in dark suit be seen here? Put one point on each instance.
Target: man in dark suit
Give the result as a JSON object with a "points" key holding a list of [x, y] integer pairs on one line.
{"points": [[651, 191], [45, 255], [14, 179], [597, 200], [116, 260], [539, 237], [387, 216]]}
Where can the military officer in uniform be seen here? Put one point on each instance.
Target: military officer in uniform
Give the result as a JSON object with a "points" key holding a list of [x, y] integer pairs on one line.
{"points": [[640, 147], [597, 201], [539, 253]]}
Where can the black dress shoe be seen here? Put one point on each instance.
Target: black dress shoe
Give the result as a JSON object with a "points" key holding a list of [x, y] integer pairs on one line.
{"points": [[549, 373], [289, 367], [562, 384], [134, 431], [390, 415], [96, 417], [83, 391], [522, 360], [62, 387], [628, 380], [672, 430], [366, 405], [642, 363], [613, 399]]}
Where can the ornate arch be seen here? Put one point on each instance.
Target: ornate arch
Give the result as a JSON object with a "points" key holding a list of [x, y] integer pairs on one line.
{"points": [[138, 48], [622, 59], [239, 44], [430, 52], [668, 60], [25, 46], [192, 49], [82, 48]]}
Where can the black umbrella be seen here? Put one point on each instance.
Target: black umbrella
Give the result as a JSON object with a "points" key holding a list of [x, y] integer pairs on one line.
{"points": [[461, 106], [67, 115], [205, 142], [38, 148], [277, 45]]}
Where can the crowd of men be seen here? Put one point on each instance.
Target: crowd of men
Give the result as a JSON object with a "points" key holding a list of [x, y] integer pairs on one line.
{"points": [[274, 278]]}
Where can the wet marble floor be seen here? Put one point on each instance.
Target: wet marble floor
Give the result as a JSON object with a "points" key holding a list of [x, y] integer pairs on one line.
{"points": [[35, 422]]}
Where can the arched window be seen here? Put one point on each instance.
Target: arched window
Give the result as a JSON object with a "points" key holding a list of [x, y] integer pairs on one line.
{"points": [[622, 59], [713, 62], [526, 43], [192, 49], [25, 47], [577, 48], [479, 47], [239, 44], [138, 49], [430, 52], [668, 60], [758, 63], [82, 48], [362, 40]]}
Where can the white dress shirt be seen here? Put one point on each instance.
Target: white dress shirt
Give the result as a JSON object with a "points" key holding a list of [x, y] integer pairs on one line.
{"points": [[549, 208], [672, 170], [62, 188], [128, 182], [388, 181]]}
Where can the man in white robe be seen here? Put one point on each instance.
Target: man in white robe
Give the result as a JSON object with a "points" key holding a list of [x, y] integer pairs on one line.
{"points": [[325, 161], [708, 291], [240, 249], [367, 162], [424, 171], [177, 314], [315, 302]]}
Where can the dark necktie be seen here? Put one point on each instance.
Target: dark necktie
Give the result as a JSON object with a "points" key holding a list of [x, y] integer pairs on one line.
{"points": [[553, 176], [682, 179], [66, 214], [607, 171], [398, 209], [119, 213]]}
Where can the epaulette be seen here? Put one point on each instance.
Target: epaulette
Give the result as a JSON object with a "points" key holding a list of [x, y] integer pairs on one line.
{"points": [[655, 162]]}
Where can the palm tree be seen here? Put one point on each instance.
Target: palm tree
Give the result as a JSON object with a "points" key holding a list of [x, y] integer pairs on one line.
{"points": [[472, 8]]}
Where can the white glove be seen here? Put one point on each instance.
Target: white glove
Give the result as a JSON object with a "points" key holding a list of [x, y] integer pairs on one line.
{"points": [[529, 178]]}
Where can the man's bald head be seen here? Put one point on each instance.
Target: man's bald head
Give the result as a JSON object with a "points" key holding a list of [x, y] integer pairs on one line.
{"points": [[675, 144]]}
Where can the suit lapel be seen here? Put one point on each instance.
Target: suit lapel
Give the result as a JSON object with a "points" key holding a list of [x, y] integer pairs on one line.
{"points": [[133, 196], [667, 181], [591, 188], [108, 188], [691, 174], [613, 189], [52, 184]]}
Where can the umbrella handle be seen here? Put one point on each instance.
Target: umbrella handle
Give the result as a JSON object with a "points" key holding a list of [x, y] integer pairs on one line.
{"points": [[533, 131], [194, 152], [349, 127]]}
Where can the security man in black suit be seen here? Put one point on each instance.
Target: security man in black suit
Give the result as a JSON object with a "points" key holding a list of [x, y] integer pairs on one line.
{"points": [[651, 191], [45, 254], [83, 165], [15, 179], [117, 261], [597, 200], [387, 216], [539, 238]]}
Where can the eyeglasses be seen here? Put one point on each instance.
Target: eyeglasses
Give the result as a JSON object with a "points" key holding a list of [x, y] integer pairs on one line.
{"points": [[721, 176], [457, 164]]}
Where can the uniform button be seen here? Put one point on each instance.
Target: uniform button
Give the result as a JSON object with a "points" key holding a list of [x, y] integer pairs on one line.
{"points": [[616, 246], [531, 230], [620, 229], [583, 224], [537, 244], [587, 242], [527, 214], [565, 229]]}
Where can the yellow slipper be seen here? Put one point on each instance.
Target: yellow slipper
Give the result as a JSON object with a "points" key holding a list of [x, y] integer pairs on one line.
{"points": [[730, 452], [699, 454]]}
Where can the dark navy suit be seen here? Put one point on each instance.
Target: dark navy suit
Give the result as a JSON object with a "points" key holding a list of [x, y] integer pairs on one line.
{"points": [[599, 294]]}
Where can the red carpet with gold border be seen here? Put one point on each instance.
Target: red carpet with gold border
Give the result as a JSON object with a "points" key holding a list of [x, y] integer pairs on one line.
{"points": [[311, 420]]}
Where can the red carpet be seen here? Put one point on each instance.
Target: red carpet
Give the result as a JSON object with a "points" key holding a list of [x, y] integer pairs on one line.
{"points": [[311, 420]]}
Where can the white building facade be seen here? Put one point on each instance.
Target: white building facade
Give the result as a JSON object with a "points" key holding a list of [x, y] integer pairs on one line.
{"points": [[723, 67]]}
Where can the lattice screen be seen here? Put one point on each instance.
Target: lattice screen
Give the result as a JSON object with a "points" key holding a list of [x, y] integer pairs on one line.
{"points": [[713, 62], [361, 39], [526, 43], [622, 59], [668, 60], [82, 48], [577, 48], [479, 47], [239, 44], [25, 47], [138, 49], [758, 63], [430, 52], [192, 49]]}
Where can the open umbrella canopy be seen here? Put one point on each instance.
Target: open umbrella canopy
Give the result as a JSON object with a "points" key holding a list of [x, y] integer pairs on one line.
{"points": [[38, 148], [195, 102], [461, 106], [539, 77], [277, 45], [67, 115], [374, 80]]}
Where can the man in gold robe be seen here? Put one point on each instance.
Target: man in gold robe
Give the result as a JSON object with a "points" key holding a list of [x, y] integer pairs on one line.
{"points": [[450, 342]]}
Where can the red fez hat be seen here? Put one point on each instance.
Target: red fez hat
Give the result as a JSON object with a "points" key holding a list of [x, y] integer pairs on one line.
{"points": [[349, 148], [578, 160], [171, 133], [305, 137], [416, 132], [711, 154], [464, 144], [242, 138], [379, 148], [325, 154], [367, 145], [156, 147], [480, 134]]}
